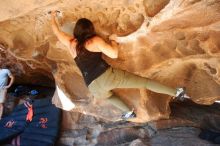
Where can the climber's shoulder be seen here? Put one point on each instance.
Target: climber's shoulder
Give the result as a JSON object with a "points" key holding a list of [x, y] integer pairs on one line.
{"points": [[73, 43]]}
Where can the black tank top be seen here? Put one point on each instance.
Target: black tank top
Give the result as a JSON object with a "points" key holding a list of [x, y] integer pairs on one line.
{"points": [[90, 64]]}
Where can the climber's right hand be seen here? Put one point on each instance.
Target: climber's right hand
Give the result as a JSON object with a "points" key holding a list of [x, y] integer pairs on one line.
{"points": [[54, 13], [113, 37]]}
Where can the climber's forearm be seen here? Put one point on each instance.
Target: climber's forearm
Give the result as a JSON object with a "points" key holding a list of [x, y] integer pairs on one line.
{"points": [[62, 37]]}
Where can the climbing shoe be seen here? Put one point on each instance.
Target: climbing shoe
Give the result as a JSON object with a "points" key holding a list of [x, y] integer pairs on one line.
{"points": [[181, 94], [128, 115]]}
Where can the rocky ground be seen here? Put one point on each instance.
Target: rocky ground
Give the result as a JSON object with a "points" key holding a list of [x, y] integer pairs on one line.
{"points": [[182, 129]]}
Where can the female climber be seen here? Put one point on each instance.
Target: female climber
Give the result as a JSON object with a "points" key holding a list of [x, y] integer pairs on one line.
{"points": [[86, 47]]}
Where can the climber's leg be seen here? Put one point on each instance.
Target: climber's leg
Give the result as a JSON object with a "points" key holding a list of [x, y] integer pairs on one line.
{"points": [[101, 89], [99, 92], [116, 78], [128, 80]]}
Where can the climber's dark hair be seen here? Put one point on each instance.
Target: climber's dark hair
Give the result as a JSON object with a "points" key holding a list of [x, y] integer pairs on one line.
{"points": [[83, 31], [6, 66]]}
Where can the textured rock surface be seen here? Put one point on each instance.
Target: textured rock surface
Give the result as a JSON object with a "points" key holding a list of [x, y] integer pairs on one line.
{"points": [[178, 45]]}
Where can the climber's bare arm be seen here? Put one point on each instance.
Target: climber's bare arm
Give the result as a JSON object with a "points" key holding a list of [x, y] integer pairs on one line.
{"points": [[64, 38], [97, 44]]}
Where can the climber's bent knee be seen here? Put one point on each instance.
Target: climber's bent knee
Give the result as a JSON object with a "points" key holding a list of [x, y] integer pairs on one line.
{"points": [[98, 92]]}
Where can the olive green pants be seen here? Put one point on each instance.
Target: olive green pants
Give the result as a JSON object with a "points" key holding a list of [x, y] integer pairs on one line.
{"points": [[116, 78]]}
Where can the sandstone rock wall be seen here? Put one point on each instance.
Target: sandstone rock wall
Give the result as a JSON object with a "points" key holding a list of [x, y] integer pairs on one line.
{"points": [[175, 42]]}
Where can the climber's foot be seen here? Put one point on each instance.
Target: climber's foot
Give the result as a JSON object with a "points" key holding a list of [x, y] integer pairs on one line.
{"points": [[128, 115], [181, 94]]}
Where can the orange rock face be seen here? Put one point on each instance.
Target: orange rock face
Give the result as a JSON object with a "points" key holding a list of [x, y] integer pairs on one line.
{"points": [[175, 42]]}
